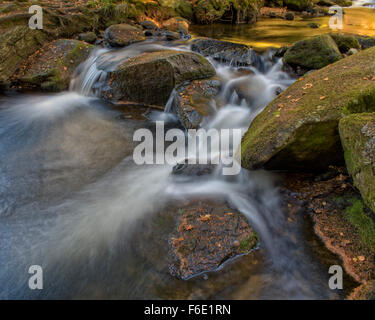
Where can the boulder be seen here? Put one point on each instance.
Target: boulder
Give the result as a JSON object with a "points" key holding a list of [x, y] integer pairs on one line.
{"points": [[191, 102], [357, 133], [289, 16], [345, 42], [177, 24], [51, 67], [311, 54], [121, 35], [299, 129], [366, 42], [151, 77], [148, 25], [16, 45], [226, 52], [89, 37]]}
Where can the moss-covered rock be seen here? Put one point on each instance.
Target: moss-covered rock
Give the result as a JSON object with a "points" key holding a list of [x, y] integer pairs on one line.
{"points": [[232, 11], [51, 67], [191, 103], [15, 46], [366, 42], [151, 77], [311, 54], [177, 24], [345, 42], [298, 130], [357, 134], [121, 35]]}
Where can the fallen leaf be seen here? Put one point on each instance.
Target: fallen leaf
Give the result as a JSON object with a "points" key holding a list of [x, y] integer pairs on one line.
{"points": [[322, 97], [189, 227]]}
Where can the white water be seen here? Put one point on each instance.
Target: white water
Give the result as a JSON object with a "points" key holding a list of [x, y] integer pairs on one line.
{"points": [[78, 238]]}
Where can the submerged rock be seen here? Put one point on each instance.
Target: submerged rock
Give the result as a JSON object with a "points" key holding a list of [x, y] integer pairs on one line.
{"points": [[208, 234], [192, 100], [299, 129], [312, 54], [151, 77], [224, 51], [121, 35], [51, 67], [357, 134]]}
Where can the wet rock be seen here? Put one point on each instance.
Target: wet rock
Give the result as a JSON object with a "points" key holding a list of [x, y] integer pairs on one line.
{"points": [[352, 51], [312, 54], [289, 16], [121, 35], [366, 42], [357, 133], [313, 25], [148, 25], [51, 67], [151, 77], [16, 45], [279, 53], [171, 36], [227, 52], [299, 129], [89, 37], [206, 237], [177, 24], [192, 101], [189, 170]]}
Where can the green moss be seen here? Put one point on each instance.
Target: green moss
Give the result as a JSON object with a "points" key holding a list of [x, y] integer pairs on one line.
{"points": [[249, 243], [345, 42], [364, 102], [365, 226], [314, 53]]}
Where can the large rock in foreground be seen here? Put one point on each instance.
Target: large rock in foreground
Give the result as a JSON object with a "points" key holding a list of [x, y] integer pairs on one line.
{"points": [[298, 130], [151, 77], [51, 67], [357, 134], [311, 54], [121, 35]]}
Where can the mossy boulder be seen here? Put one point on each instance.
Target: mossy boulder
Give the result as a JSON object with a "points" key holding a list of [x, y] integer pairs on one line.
{"points": [[345, 42], [357, 133], [231, 11], [16, 45], [177, 24], [121, 35], [299, 129], [151, 77], [192, 100], [366, 42], [311, 54], [51, 67]]}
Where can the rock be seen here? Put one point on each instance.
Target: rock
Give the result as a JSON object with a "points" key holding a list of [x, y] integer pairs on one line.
{"points": [[352, 51], [313, 25], [227, 52], [365, 291], [366, 42], [177, 24], [16, 45], [51, 67], [297, 5], [208, 234], [289, 16], [192, 100], [279, 53], [244, 11], [89, 37], [121, 35], [357, 133], [298, 130], [171, 36], [312, 54], [148, 25], [151, 77], [345, 42]]}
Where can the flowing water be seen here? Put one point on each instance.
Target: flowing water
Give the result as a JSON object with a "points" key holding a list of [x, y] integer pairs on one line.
{"points": [[73, 201]]}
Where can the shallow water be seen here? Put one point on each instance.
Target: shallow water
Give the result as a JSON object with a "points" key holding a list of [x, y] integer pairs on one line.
{"points": [[73, 201], [268, 32]]}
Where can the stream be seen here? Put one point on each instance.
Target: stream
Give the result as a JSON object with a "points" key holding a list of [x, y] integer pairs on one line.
{"points": [[73, 201]]}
